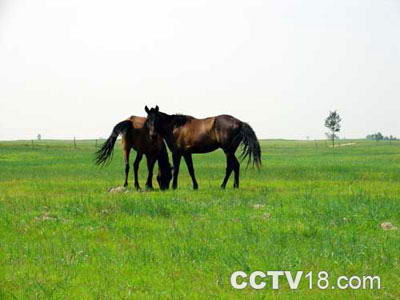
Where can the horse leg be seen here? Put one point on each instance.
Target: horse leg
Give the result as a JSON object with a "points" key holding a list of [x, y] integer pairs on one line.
{"points": [[176, 157], [136, 164], [150, 166], [127, 151], [229, 168], [236, 169], [189, 163]]}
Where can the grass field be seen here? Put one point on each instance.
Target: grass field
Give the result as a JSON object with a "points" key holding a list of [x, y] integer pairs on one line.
{"points": [[309, 208]]}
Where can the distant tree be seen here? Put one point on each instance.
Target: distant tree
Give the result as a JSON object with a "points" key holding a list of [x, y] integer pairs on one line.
{"points": [[372, 137], [376, 136], [379, 137], [392, 138], [332, 122]]}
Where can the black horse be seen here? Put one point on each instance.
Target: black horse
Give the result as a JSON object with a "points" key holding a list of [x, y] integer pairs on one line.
{"points": [[186, 135]]}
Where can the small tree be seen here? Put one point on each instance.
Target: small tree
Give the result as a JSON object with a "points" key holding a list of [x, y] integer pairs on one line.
{"points": [[379, 137], [332, 122]]}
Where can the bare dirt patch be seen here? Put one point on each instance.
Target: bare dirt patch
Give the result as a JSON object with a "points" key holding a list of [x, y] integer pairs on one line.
{"points": [[343, 145], [388, 226], [118, 189]]}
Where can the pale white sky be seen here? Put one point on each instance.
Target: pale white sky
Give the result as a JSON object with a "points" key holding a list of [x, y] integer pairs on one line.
{"points": [[76, 68]]}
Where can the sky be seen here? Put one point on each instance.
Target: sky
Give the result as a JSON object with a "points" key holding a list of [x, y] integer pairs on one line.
{"points": [[76, 68]]}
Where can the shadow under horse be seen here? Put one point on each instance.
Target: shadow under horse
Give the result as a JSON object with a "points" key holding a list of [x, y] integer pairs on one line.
{"points": [[186, 135], [136, 136]]}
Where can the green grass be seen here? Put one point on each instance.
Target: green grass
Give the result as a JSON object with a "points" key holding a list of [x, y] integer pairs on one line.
{"points": [[310, 208]]}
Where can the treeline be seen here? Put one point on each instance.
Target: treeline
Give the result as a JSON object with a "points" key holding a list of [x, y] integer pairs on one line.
{"points": [[380, 137]]}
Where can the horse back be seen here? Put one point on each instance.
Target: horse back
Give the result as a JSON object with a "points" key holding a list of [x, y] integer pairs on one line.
{"points": [[204, 135], [137, 122]]}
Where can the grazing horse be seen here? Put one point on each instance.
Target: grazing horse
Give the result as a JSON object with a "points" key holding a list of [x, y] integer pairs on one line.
{"points": [[136, 136], [186, 135]]}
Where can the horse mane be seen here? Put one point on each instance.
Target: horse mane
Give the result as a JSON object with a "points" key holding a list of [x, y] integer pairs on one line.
{"points": [[179, 120]]}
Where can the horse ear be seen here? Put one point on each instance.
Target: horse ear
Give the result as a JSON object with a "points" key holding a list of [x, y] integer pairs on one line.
{"points": [[146, 109], [156, 108]]}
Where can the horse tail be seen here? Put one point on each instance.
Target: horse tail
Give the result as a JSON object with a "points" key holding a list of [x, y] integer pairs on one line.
{"points": [[250, 145], [104, 154]]}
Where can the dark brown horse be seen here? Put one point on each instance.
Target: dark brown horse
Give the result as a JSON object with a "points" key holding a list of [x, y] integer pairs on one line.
{"points": [[136, 136], [186, 135]]}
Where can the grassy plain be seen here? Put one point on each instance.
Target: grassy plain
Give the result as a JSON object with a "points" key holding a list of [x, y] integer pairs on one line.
{"points": [[310, 208]]}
